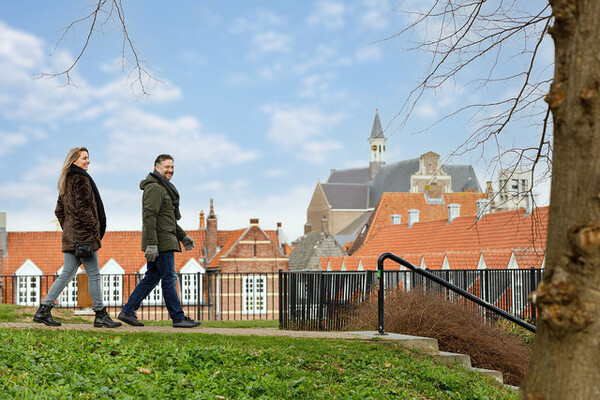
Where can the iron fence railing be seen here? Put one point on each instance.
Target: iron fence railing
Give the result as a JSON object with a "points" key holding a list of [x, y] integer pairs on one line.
{"points": [[494, 293], [311, 300], [320, 301], [204, 296]]}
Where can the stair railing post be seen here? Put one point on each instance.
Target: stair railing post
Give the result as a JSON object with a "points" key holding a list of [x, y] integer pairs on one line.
{"points": [[381, 296]]}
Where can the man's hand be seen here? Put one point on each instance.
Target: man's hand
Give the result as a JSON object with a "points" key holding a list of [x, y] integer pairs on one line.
{"points": [[188, 243], [151, 252]]}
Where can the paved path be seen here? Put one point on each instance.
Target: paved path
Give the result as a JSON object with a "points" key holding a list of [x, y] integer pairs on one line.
{"points": [[408, 341]]}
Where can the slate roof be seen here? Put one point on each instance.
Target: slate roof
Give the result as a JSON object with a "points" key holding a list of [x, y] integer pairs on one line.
{"points": [[346, 196], [350, 175], [311, 248], [393, 177], [377, 132], [463, 177], [350, 188]]}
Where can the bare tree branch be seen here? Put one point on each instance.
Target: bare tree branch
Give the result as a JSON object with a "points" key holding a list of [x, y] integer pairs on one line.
{"points": [[477, 31], [110, 10]]}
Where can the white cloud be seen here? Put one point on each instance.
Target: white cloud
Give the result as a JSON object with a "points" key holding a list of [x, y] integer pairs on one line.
{"points": [[258, 21], [323, 55], [135, 138], [272, 42], [426, 110], [301, 129], [374, 16], [368, 54], [10, 141], [287, 206], [328, 14], [22, 49], [275, 173]]}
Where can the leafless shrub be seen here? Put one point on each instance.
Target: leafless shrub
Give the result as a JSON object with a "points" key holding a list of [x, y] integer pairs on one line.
{"points": [[457, 328]]}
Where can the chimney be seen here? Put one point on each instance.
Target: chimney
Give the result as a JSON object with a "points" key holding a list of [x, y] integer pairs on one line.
{"points": [[413, 217], [453, 212], [3, 236], [324, 224], [280, 236], [253, 221], [483, 207], [307, 228], [396, 219], [490, 192], [202, 224], [528, 205], [211, 233]]}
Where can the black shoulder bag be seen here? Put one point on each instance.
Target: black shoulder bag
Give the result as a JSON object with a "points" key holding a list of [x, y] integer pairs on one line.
{"points": [[84, 249]]}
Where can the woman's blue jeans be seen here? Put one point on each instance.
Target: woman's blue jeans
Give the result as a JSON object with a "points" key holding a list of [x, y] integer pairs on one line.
{"points": [[71, 264], [163, 270]]}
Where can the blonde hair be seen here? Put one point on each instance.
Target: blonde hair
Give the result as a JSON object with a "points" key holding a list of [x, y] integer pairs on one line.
{"points": [[71, 157]]}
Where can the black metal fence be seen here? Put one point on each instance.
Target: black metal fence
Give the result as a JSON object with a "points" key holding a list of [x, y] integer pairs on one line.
{"points": [[300, 300], [325, 300], [322, 300], [208, 296]]}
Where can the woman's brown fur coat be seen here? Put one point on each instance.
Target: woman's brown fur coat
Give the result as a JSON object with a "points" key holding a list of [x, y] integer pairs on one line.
{"points": [[77, 213]]}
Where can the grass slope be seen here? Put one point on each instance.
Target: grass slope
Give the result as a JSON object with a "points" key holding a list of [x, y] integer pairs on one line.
{"points": [[40, 363]]}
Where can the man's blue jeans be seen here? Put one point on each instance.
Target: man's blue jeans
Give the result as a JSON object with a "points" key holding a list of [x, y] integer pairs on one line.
{"points": [[162, 269]]}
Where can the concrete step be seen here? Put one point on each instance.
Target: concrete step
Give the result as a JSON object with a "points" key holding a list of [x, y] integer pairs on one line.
{"points": [[454, 358], [497, 375], [429, 346], [424, 344]]}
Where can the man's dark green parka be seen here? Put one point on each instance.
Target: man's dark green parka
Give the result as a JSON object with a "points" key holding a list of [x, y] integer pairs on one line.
{"points": [[159, 224]]}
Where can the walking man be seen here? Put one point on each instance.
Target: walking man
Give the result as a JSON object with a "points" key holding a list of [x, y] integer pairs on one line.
{"points": [[160, 239]]}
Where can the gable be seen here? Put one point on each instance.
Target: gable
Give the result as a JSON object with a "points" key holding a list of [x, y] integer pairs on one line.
{"points": [[28, 268], [112, 268], [192, 267]]}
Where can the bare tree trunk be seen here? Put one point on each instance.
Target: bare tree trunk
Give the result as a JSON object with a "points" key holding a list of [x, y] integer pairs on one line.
{"points": [[566, 359]]}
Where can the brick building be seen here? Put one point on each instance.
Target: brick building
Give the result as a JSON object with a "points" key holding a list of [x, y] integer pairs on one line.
{"points": [[349, 195], [246, 255]]}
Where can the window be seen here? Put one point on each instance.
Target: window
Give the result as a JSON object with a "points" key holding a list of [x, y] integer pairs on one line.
{"points": [[191, 282], [111, 290], [28, 284], [28, 288], [112, 283], [189, 288], [524, 185], [515, 185], [254, 295]]}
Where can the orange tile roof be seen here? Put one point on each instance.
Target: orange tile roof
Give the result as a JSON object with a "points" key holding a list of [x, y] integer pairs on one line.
{"points": [[400, 203], [496, 237], [505, 230], [44, 249], [432, 260], [463, 260]]}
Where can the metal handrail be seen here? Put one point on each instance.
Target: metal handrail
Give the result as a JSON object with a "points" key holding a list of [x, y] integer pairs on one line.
{"points": [[441, 282]]}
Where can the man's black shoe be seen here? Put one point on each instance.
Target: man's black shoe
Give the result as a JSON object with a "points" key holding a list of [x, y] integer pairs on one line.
{"points": [[129, 319], [186, 322]]}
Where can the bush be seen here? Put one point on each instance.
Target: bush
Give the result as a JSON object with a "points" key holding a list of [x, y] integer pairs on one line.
{"points": [[457, 328]]}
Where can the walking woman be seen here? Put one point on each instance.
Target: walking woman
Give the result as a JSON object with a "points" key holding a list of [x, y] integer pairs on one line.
{"points": [[81, 216]]}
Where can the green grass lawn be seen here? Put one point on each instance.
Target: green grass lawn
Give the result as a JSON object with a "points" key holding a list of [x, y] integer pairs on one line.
{"points": [[42, 363], [12, 313]]}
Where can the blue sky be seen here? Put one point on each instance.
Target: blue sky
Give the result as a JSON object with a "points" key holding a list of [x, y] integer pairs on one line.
{"points": [[256, 101]]}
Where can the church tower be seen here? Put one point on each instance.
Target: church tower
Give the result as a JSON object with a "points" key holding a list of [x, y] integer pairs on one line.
{"points": [[377, 143]]}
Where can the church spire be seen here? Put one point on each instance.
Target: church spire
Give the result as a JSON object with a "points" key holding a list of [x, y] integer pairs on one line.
{"points": [[377, 143], [377, 132]]}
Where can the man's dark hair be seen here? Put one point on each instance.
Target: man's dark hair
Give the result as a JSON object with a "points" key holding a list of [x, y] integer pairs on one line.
{"points": [[162, 158]]}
